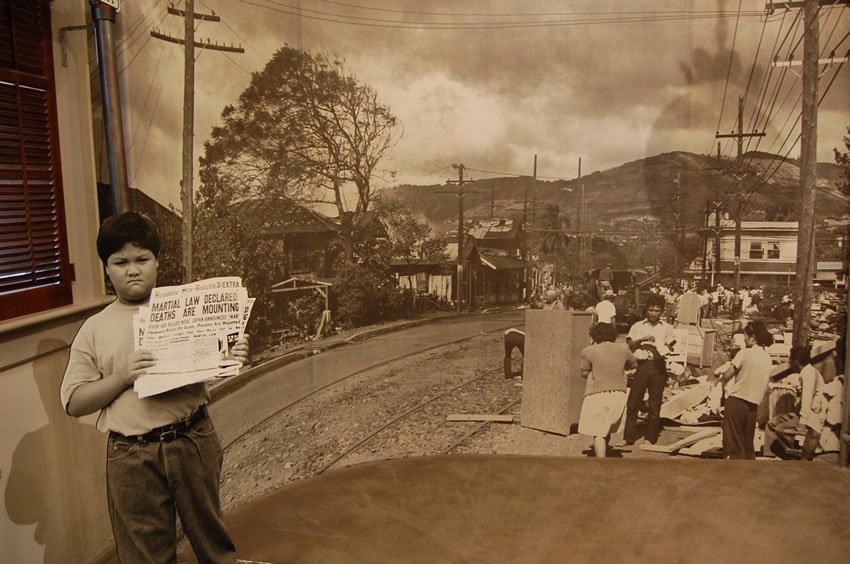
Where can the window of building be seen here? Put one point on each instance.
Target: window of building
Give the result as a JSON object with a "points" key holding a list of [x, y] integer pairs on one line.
{"points": [[35, 273], [756, 250], [773, 250]]}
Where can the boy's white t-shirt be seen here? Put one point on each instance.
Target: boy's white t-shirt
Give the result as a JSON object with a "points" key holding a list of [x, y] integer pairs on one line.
{"points": [[100, 348]]}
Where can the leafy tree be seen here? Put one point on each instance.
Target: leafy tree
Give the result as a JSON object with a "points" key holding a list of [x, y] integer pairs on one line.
{"points": [[843, 160], [409, 238], [305, 128], [224, 246], [550, 236]]}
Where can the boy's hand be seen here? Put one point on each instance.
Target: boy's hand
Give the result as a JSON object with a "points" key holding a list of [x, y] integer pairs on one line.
{"points": [[240, 350], [137, 365]]}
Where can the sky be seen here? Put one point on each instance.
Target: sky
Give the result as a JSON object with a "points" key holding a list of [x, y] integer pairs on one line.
{"points": [[491, 84]]}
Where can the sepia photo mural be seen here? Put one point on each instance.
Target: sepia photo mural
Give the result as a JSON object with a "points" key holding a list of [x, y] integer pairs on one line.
{"points": [[396, 182]]}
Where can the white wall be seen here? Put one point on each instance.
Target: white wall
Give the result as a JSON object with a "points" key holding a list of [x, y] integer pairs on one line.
{"points": [[52, 467]]}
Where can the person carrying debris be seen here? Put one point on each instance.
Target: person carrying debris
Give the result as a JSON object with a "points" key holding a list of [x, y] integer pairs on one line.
{"points": [[822, 420], [746, 382], [604, 364], [784, 426], [649, 340]]}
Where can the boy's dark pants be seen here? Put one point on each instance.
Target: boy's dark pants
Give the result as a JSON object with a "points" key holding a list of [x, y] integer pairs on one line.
{"points": [[149, 482], [652, 375]]}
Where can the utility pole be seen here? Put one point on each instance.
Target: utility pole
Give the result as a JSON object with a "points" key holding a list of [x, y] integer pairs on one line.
{"points": [[461, 282], [677, 214], [739, 135], [526, 255], [492, 202], [808, 177], [189, 44], [704, 268], [712, 206], [582, 224]]}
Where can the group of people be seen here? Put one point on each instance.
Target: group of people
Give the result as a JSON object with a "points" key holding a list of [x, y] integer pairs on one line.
{"points": [[164, 457], [606, 362]]}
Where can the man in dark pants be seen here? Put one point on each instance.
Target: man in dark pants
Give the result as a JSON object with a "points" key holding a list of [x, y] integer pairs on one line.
{"points": [[649, 340]]}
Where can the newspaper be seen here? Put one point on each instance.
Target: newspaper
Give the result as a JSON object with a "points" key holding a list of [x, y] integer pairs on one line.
{"points": [[191, 329]]}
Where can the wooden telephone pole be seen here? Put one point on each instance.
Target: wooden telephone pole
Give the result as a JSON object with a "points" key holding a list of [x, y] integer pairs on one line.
{"points": [[808, 177], [526, 255], [461, 271], [189, 43], [739, 136], [677, 230]]}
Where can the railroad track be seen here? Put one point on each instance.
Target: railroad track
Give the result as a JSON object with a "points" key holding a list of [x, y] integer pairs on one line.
{"points": [[407, 415], [395, 421]]}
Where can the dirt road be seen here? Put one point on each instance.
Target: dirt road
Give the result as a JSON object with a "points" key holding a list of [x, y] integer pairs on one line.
{"points": [[396, 410]]}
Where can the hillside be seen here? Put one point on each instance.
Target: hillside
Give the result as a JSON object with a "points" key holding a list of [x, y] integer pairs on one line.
{"points": [[645, 187]]}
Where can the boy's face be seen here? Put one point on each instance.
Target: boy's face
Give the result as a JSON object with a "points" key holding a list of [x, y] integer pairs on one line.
{"points": [[132, 271]]}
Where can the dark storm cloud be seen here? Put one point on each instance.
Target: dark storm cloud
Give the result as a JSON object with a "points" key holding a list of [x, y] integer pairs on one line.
{"points": [[609, 91]]}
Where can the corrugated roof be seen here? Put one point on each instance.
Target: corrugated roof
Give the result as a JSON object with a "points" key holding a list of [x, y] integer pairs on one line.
{"points": [[283, 216], [501, 263], [494, 229]]}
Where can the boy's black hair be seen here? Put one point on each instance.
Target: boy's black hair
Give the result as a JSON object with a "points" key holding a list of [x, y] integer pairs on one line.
{"points": [[603, 332], [127, 227]]}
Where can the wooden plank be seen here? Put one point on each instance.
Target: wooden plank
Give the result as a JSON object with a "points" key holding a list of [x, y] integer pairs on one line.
{"points": [[687, 441], [454, 417], [553, 388], [703, 445], [684, 401]]}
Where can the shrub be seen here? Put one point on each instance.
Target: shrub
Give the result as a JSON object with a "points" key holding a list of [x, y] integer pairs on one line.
{"points": [[364, 295]]}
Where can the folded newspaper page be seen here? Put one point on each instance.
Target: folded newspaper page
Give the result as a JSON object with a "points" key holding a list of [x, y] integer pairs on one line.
{"points": [[191, 329]]}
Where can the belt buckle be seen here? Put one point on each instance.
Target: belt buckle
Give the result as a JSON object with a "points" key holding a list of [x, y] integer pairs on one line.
{"points": [[168, 436]]}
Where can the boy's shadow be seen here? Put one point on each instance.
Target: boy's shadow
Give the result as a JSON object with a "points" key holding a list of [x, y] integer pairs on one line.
{"points": [[56, 479]]}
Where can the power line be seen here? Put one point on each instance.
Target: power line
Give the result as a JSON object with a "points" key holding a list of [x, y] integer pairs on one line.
{"points": [[729, 68], [237, 34], [139, 51], [505, 14], [145, 103], [153, 114], [397, 24], [135, 27]]}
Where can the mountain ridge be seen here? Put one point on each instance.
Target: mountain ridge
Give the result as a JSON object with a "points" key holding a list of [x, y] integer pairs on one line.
{"points": [[639, 188]]}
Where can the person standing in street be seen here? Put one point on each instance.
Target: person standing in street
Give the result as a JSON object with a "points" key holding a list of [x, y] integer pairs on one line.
{"points": [[649, 340], [746, 381], [605, 309], [604, 364]]}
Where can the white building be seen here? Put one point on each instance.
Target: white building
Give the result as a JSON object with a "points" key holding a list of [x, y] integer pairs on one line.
{"points": [[768, 253]]}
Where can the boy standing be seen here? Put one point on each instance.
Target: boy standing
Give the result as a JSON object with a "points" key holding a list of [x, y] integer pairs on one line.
{"points": [[163, 455]]}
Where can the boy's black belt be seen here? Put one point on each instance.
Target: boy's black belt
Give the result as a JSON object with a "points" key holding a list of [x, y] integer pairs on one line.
{"points": [[168, 433]]}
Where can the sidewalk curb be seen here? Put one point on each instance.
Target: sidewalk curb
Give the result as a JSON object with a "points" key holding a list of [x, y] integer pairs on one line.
{"points": [[307, 350]]}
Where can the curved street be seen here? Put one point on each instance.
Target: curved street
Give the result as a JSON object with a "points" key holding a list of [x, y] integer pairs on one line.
{"points": [[249, 406]]}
